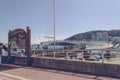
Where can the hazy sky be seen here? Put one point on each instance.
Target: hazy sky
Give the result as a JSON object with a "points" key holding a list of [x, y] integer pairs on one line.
{"points": [[72, 17]]}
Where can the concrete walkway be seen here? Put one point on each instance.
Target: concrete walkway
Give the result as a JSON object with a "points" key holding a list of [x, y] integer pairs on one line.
{"points": [[13, 72]]}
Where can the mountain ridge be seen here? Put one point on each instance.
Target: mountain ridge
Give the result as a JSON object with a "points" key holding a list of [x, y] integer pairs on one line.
{"points": [[87, 36]]}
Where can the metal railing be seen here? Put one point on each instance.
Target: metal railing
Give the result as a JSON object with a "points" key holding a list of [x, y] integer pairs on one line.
{"points": [[96, 55]]}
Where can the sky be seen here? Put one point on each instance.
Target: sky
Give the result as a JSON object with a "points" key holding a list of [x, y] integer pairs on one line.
{"points": [[72, 17]]}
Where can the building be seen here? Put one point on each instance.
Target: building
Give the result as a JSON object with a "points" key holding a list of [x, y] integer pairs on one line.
{"points": [[100, 36]]}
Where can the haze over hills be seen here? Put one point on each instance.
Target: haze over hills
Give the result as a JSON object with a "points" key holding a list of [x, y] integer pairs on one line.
{"points": [[87, 36]]}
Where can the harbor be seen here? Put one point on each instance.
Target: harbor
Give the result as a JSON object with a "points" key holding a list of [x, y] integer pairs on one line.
{"points": [[60, 40]]}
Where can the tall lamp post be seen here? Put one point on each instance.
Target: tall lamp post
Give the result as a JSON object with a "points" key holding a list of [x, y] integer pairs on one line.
{"points": [[54, 25]]}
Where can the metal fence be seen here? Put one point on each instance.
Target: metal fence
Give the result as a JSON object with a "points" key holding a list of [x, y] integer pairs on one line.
{"points": [[95, 55]]}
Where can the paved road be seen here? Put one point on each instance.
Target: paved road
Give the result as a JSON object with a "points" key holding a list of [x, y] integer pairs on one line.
{"points": [[13, 72]]}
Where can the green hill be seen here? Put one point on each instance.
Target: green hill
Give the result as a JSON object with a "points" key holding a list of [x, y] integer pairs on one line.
{"points": [[87, 36]]}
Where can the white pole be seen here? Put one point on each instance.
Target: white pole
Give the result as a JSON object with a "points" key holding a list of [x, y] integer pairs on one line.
{"points": [[54, 24], [102, 56], [66, 55], [43, 53], [83, 55]]}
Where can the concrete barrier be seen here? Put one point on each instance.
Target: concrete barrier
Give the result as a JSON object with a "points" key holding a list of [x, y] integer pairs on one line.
{"points": [[112, 70], [19, 60], [104, 69]]}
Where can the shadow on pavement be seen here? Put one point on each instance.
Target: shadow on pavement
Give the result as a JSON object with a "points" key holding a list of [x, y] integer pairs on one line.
{"points": [[4, 67]]}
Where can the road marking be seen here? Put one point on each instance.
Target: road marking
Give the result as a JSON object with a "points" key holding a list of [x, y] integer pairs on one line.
{"points": [[13, 76]]}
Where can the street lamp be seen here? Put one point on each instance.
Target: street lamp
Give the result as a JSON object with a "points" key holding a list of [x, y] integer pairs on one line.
{"points": [[53, 27], [54, 24]]}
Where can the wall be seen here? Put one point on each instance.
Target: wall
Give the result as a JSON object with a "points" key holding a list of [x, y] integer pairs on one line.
{"points": [[112, 70], [18, 60]]}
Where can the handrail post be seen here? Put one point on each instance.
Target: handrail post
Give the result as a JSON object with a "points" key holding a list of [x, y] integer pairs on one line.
{"points": [[83, 55], [67, 55], [43, 54], [102, 56], [54, 54]]}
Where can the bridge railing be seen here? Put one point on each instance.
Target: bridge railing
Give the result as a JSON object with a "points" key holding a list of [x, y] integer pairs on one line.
{"points": [[96, 55]]}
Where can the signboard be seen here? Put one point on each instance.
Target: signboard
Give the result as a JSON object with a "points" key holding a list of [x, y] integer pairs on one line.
{"points": [[19, 42], [17, 39]]}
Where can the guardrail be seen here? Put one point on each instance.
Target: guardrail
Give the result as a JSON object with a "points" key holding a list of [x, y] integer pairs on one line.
{"points": [[99, 55]]}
